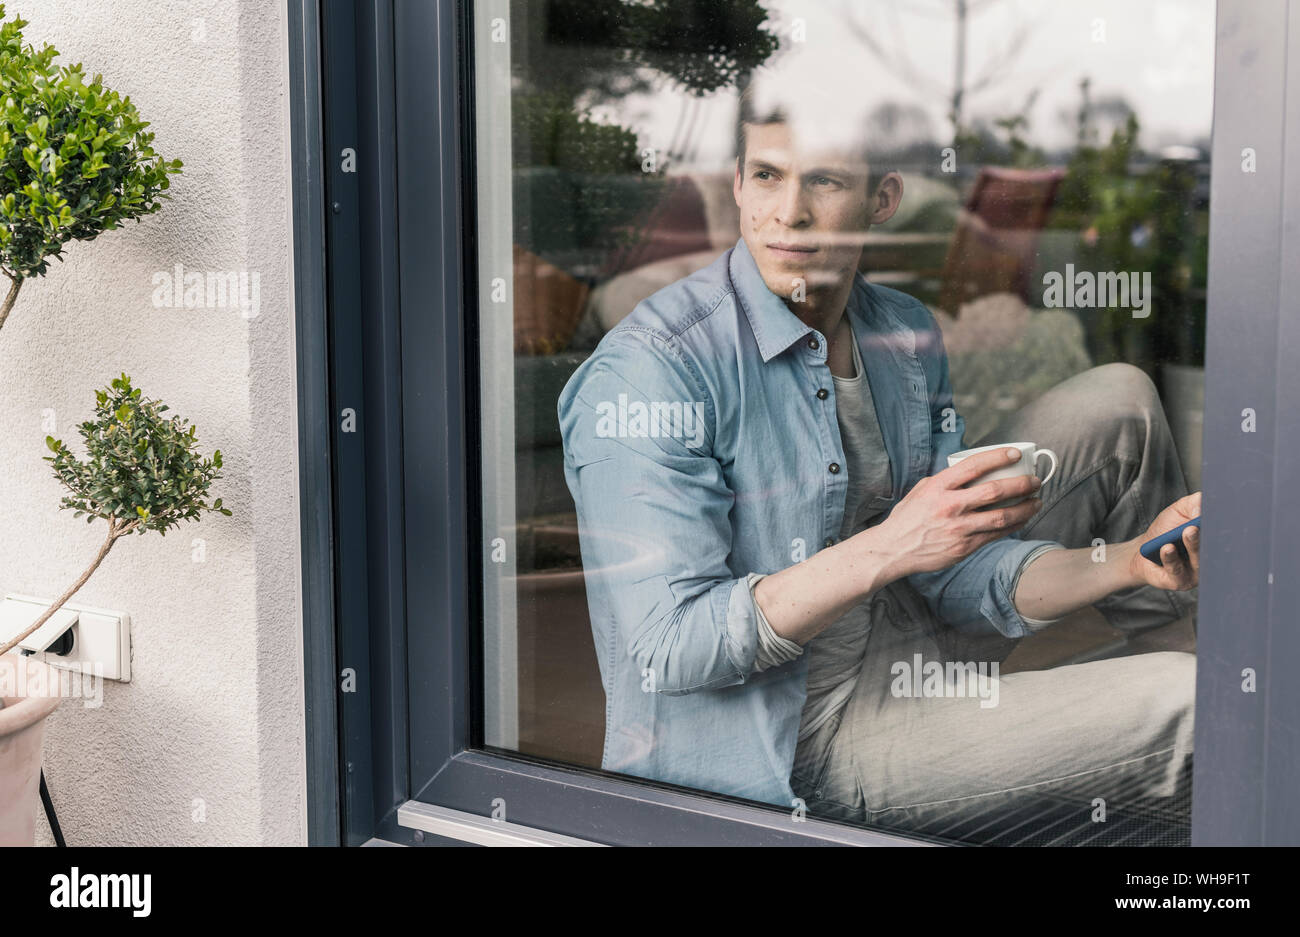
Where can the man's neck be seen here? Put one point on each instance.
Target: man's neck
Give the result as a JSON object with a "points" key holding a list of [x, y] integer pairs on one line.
{"points": [[824, 310]]}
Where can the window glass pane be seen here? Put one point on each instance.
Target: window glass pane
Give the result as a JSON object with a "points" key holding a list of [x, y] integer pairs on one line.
{"points": [[733, 536]]}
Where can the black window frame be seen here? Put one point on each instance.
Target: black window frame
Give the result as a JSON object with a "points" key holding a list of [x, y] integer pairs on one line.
{"points": [[385, 282]]}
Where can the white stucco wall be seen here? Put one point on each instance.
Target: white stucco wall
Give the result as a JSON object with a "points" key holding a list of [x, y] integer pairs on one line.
{"points": [[205, 744]]}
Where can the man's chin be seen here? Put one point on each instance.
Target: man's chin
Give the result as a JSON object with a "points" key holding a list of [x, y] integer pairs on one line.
{"points": [[783, 284], [784, 277]]}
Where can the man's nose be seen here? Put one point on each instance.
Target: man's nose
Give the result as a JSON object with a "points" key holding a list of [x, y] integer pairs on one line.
{"points": [[793, 210]]}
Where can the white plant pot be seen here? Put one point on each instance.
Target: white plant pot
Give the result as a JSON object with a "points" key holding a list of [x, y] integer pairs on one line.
{"points": [[22, 739]]}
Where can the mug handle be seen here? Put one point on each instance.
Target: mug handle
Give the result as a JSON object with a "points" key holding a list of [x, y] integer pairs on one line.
{"points": [[1051, 455]]}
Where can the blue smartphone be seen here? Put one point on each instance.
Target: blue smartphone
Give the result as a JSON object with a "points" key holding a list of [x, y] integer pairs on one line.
{"points": [[1151, 549]]}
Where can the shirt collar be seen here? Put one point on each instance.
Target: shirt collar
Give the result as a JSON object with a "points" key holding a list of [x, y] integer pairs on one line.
{"points": [[775, 327]]}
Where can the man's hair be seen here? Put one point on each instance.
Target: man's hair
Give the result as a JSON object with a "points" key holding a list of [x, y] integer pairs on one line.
{"points": [[749, 113]]}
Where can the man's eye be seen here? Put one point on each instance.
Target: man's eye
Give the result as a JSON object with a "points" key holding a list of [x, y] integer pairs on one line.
{"points": [[761, 172], [825, 179]]}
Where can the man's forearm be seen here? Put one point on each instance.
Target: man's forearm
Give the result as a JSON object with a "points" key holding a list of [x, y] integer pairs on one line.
{"points": [[803, 600], [1060, 581]]}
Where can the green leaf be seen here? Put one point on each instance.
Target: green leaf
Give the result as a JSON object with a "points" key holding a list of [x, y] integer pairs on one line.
{"points": [[139, 462]]}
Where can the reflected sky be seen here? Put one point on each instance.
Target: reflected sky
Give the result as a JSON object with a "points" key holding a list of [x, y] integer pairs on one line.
{"points": [[1157, 54]]}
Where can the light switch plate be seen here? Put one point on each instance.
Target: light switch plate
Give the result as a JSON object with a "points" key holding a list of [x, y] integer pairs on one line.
{"points": [[101, 639]]}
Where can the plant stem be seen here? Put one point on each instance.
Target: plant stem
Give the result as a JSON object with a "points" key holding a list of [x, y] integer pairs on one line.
{"points": [[9, 299], [114, 531]]}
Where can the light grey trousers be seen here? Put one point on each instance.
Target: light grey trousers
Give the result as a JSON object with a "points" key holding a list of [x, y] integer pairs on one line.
{"points": [[1065, 747]]}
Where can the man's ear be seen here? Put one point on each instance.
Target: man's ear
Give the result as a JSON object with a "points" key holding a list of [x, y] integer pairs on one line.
{"points": [[735, 185], [887, 197]]}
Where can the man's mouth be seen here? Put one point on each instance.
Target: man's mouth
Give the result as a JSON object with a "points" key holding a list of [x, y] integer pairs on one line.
{"points": [[784, 249]]}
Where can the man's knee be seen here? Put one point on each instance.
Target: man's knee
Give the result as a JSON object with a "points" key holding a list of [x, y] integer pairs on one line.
{"points": [[1127, 381], [1120, 401]]}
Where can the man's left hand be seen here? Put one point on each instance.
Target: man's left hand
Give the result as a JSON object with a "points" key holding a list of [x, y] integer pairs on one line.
{"points": [[1176, 573]]}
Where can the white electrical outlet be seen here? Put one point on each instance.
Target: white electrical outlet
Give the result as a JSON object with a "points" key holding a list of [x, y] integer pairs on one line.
{"points": [[101, 639]]}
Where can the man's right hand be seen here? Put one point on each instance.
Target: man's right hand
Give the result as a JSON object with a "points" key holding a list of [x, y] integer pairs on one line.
{"points": [[939, 522]]}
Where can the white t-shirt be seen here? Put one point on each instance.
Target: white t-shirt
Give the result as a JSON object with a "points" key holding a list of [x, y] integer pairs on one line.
{"points": [[835, 656]]}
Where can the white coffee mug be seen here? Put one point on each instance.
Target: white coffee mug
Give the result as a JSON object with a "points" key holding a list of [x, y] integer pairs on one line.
{"points": [[1027, 464]]}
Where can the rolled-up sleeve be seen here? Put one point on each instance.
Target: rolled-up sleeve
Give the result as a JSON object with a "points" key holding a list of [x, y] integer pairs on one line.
{"points": [[773, 650], [653, 514], [977, 594], [1035, 624]]}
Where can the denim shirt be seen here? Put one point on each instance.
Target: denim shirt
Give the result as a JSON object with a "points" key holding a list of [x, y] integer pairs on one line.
{"points": [[700, 445]]}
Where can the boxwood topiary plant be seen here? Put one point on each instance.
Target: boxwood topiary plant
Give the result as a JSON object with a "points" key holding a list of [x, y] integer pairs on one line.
{"points": [[75, 160], [142, 473]]}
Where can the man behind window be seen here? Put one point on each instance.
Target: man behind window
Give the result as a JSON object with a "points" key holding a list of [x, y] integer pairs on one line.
{"points": [[774, 544]]}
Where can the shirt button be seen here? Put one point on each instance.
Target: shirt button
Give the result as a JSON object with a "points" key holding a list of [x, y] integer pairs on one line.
{"points": [[829, 542], [821, 394], [834, 468], [813, 343]]}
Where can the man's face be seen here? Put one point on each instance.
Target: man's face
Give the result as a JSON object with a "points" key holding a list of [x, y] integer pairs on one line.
{"points": [[803, 211]]}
